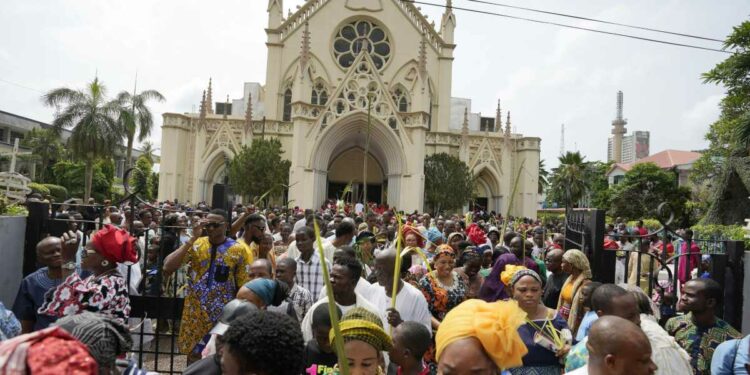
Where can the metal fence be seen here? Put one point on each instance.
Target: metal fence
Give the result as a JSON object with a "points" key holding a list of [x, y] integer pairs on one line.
{"points": [[652, 267], [156, 304]]}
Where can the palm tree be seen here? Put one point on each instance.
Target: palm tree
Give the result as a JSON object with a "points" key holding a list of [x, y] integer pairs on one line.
{"points": [[45, 145], [569, 178], [136, 116], [95, 130], [543, 180], [147, 151]]}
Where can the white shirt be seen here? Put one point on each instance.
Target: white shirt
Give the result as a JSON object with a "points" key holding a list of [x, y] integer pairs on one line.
{"points": [[358, 208], [669, 357], [293, 252], [410, 304], [306, 326], [364, 288], [582, 371]]}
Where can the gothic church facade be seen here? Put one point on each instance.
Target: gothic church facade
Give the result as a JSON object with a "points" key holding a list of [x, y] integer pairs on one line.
{"points": [[332, 66]]}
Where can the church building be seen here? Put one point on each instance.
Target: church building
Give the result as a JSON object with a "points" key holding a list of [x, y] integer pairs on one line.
{"points": [[342, 77]]}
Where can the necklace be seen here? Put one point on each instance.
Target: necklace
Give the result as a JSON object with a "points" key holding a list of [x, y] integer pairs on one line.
{"points": [[446, 287]]}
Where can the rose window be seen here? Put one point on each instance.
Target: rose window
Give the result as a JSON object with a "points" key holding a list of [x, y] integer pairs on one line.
{"points": [[352, 38]]}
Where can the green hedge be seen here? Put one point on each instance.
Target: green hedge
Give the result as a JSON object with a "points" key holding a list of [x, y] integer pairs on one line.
{"points": [[650, 224], [721, 232], [39, 188], [60, 193]]}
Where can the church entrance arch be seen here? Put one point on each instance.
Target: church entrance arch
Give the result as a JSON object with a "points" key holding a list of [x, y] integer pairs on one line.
{"points": [[338, 157], [348, 167], [486, 190]]}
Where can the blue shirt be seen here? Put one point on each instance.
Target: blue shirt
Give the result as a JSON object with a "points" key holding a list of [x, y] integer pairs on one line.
{"points": [[30, 298], [730, 357], [583, 329]]}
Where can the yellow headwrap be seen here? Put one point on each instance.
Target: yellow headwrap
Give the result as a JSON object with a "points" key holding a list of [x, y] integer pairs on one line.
{"points": [[494, 324], [510, 270], [363, 325]]}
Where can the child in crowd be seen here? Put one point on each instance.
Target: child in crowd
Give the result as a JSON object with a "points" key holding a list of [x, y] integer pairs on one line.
{"points": [[410, 341], [318, 351]]}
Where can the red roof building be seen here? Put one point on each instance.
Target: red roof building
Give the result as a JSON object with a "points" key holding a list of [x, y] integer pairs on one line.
{"points": [[680, 161]]}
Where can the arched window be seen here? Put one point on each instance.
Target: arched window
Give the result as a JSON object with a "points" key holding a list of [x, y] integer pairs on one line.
{"points": [[287, 116], [401, 98], [319, 94]]}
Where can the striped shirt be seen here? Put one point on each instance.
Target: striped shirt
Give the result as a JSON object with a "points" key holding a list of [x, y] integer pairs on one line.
{"points": [[310, 274]]}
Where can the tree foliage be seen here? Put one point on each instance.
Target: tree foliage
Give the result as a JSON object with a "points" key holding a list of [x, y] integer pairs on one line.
{"points": [[135, 117], [71, 175], [258, 169], [139, 178], [94, 124], [599, 193], [543, 181], [45, 146], [568, 184], [643, 188], [729, 136], [448, 184]]}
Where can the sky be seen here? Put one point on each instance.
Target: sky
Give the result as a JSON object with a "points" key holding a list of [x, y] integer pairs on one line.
{"points": [[545, 75]]}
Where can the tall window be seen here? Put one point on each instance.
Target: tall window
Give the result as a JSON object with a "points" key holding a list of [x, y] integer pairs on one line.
{"points": [[319, 94], [287, 105], [400, 97]]}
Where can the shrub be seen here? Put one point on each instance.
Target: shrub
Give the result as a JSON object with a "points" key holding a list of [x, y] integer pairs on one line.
{"points": [[39, 188], [721, 232], [60, 193], [8, 209]]}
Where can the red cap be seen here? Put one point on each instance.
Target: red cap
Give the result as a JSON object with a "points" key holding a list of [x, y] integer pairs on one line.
{"points": [[115, 244]]}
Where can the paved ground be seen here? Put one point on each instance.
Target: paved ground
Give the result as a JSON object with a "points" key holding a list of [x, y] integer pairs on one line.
{"points": [[164, 358]]}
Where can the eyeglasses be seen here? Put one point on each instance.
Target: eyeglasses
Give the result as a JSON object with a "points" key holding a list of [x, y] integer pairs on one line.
{"points": [[213, 225], [259, 227]]}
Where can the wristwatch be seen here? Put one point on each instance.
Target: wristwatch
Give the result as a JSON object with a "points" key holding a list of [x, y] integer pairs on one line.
{"points": [[69, 266]]}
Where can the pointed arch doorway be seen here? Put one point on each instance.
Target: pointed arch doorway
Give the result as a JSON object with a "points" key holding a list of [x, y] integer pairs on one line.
{"points": [[338, 156], [348, 167]]}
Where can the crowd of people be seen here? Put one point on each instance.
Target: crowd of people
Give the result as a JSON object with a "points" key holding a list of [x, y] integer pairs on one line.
{"points": [[474, 294]]}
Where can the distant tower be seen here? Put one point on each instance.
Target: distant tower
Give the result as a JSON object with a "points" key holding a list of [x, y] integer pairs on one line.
{"points": [[562, 139], [618, 131]]}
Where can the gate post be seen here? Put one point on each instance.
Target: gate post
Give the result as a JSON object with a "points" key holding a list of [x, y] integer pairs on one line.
{"points": [[734, 279], [36, 227], [602, 261]]}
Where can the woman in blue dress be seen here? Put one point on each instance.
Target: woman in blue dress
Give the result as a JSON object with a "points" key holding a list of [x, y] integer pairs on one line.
{"points": [[545, 332]]}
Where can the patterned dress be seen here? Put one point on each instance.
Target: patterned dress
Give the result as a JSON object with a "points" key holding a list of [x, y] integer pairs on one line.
{"points": [[9, 326], [700, 342], [440, 300], [105, 294], [212, 282]]}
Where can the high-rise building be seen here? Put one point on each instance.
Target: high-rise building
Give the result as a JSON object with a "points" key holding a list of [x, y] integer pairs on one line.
{"points": [[634, 147], [622, 148]]}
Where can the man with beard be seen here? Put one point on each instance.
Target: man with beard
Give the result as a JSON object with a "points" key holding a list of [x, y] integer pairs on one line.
{"points": [[255, 227]]}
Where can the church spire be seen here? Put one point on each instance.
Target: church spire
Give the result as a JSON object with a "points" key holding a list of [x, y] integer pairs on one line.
{"points": [[226, 108], [498, 118], [209, 100], [304, 54], [448, 23], [465, 125], [422, 60], [507, 125], [249, 111], [275, 13]]}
